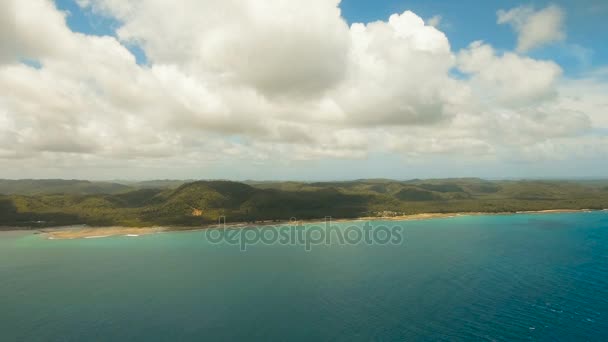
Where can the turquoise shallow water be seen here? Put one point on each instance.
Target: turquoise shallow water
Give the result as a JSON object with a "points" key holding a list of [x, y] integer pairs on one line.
{"points": [[487, 278]]}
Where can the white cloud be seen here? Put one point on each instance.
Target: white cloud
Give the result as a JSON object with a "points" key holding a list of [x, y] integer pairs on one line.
{"points": [[267, 81], [279, 47], [508, 79], [435, 21], [534, 28], [397, 74]]}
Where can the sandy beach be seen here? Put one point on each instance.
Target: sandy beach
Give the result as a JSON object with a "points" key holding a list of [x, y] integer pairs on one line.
{"points": [[555, 211], [101, 232], [79, 232]]}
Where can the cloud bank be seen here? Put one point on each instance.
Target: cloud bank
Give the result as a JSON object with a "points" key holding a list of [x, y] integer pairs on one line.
{"points": [[267, 80]]}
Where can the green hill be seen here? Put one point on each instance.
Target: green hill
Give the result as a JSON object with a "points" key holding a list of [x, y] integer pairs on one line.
{"points": [[98, 204]]}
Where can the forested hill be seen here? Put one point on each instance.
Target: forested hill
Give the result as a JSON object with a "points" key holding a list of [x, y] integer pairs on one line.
{"points": [[40, 203]]}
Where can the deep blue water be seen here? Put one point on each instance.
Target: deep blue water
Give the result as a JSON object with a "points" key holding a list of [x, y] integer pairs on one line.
{"points": [[537, 277]]}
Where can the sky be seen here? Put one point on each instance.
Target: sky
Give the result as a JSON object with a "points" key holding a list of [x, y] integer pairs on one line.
{"points": [[293, 90]]}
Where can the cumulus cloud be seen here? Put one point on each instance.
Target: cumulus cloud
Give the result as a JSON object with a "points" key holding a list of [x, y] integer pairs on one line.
{"points": [[398, 74], [534, 28], [508, 79], [279, 47], [267, 81]]}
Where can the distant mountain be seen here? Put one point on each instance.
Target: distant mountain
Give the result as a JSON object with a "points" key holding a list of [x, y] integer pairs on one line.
{"points": [[80, 187], [59, 186], [161, 183]]}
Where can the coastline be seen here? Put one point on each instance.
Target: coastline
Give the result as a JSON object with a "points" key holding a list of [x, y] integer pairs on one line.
{"points": [[80, 232]]}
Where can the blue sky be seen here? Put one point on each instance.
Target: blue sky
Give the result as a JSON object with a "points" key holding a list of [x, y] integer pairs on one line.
{"points": [[88, 22]]}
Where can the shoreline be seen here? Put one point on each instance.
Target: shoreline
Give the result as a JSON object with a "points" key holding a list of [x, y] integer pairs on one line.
{"points": [[85, 232]]}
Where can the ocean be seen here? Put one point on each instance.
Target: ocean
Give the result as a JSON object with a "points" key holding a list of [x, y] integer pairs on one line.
{"points": [[532, 277]]}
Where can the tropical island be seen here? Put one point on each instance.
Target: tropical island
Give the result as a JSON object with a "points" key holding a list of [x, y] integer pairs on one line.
{"points": [[38, 204]]}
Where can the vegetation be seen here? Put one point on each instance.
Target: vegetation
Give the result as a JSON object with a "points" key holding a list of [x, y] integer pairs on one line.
{"points": [[42, 203]]}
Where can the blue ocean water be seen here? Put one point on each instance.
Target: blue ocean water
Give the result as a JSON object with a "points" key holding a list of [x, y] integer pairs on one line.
{"points": [[538, 277]]}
